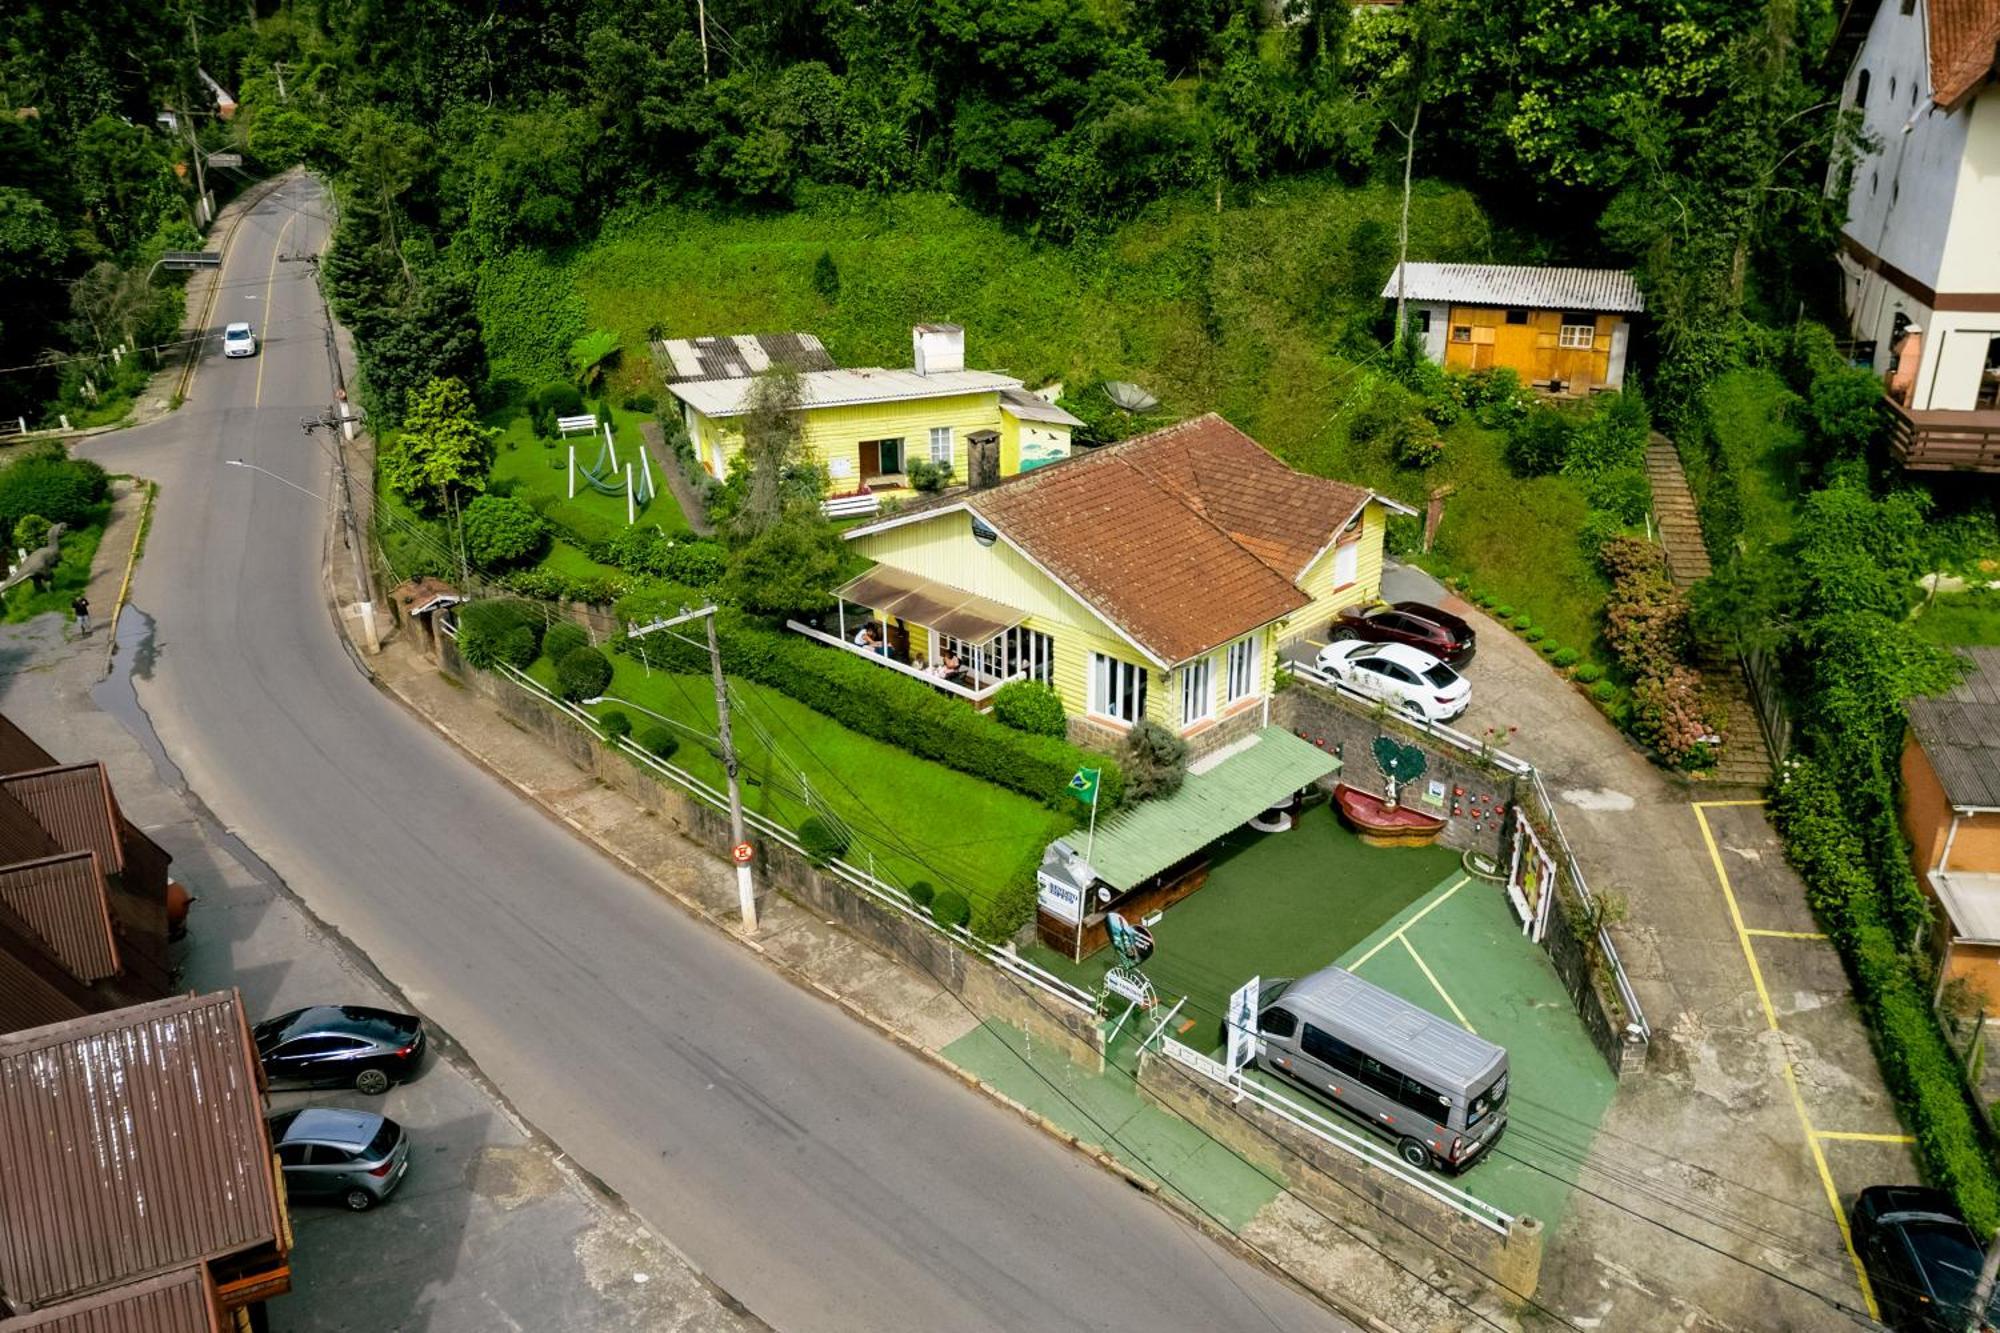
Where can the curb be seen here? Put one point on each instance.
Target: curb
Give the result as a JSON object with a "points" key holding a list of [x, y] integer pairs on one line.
{"points": [[152, 491]]}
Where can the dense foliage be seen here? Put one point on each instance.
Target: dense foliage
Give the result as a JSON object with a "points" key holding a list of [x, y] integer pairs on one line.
{"points": [[501, 531], [496, 630], [1030, 706], [52, 485]]}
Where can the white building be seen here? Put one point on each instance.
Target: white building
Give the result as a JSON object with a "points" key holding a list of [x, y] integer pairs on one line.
{"points": [[1921, 245]]}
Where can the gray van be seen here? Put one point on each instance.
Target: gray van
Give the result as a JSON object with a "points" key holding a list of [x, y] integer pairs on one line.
{"points": [[1439, 1091]]}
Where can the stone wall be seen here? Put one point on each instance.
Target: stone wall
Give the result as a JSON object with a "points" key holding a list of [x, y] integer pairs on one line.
{"points": [[1340, 1184], [1330, 723], [985, 988]]}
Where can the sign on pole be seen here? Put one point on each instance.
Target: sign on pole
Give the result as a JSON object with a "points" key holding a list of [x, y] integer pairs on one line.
{"points": [[742, 853], [187, 259], [1242, 1026], [225, 159]]}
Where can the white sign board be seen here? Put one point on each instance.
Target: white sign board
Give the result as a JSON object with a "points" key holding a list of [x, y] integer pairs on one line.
{"points": [[225, 159], [1195, 1060], [1242, 1025], [1059, 898], [839, 468], [1125, 988]]}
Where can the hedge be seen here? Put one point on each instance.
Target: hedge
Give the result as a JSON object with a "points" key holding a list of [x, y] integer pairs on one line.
{"points": [[893, 708], [495, 630], [824, 840], [582, 674], [563, 639]]}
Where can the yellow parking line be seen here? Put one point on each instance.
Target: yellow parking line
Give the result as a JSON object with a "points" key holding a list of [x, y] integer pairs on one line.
{"points": [[1790, 1074], [1785, 934], [1850, 1136], [1430, 907], [1431, 977], [1724, 805], [277, 249]]}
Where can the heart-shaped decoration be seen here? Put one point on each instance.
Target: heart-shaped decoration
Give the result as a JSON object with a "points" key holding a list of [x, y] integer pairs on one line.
{"points": [[1400, 763]]}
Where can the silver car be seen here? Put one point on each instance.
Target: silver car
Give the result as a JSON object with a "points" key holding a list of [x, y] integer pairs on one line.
{"points": [[357, 1157]]}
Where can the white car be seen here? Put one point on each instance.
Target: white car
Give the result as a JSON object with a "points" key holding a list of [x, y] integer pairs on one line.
{"points": [[237, 340], [1406, 677]]}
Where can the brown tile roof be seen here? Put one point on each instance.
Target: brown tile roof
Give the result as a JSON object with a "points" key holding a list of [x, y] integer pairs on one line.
{"points": [[74, 804], [1965, 43], [64, 903], [131, 1143], [1183, 538], [18, 750], [182, 1301]]}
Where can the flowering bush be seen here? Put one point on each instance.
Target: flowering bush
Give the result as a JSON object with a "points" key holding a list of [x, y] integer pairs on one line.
{"points": [[1668, 714], [1646, 624]]}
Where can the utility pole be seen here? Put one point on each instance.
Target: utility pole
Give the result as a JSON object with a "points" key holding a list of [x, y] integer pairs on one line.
{"points": [[701, 17], [279, 69], [1982, 1290], [739, 843]]}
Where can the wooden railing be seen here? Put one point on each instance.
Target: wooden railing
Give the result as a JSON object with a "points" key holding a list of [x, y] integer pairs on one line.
{"points": [[978, 696], [1939, 441]]}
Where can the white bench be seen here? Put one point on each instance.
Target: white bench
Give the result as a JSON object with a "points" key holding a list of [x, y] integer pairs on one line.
{"points": [[851, 506], [571, 425]]}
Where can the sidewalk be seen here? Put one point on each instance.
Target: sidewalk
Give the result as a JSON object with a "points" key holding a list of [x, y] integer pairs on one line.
{"points": [[492, 1229]]}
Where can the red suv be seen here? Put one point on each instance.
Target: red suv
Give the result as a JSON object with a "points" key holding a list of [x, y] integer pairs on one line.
{"points": [[1439, 633]]}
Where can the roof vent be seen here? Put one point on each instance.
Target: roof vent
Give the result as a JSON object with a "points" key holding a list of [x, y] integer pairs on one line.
{"points": [[938, 349]]}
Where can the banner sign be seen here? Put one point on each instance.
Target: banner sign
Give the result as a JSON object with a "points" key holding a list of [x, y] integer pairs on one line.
{"points": [[1059, 899], [1531, 879], [1242, 1025], [1195, 1060]]}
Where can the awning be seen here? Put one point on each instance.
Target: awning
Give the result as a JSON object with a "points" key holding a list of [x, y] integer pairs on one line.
{"points": [[936, 606], [1137, 844]]}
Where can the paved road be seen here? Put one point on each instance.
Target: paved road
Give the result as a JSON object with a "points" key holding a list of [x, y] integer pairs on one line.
{"points": [[826, 1178]]}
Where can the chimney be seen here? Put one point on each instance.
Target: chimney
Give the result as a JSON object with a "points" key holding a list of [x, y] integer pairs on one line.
{"points": [[938, 348]]}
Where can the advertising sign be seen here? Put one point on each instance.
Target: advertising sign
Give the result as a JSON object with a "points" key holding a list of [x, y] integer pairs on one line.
{"points": [[1195, 1060], [1242, 1025], [1059, 898], [1531, 880]]}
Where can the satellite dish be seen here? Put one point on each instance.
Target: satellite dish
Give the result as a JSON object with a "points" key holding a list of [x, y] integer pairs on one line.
{"points": [[1130, 396]]}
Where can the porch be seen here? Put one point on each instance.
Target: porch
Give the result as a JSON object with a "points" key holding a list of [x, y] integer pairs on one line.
{"points": [[1942, 441]]}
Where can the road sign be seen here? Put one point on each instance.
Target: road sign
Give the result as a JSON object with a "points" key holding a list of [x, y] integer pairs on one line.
{"points": [[186, 259], [741, 853], [225, 159]]}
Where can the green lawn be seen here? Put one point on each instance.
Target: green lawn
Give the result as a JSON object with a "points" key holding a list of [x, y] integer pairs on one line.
{"points": [[1962, 620], [915, 819], [1752, 412], [72, 574], [538, 471]]}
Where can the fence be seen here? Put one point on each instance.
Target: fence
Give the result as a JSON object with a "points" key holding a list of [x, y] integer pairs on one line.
{"points": [[1760, 671]]}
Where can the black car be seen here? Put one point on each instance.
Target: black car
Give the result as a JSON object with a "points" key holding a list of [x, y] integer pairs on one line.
{"points": [[1922, 1259], [341, 1045], [1416, 624]]}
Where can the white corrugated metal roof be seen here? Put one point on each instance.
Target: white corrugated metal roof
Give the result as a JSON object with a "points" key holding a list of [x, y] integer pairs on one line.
{"points": [[842, 388], [1594, 289], [1032, 407]]}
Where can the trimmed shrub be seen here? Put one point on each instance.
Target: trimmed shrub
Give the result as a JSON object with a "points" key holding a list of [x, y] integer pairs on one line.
{"points": [[949, 908], [1589, 673], [60, 489], [562, 639], [615, 724], [890, 707], [30, 531], [1565, 658], [825, 839], [658, 741], [928, 477], [558, 399], [1011, 907], [1483, 598], [641, 402], [1522, 622], [1604, 691], [487, 633], [1503, 612], [1534, 634], [582, 674], [1030, 706], [922, 892], [501, 531]]}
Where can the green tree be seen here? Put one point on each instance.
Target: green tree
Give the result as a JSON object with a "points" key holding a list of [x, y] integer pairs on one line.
{"points": [[591, 354], [501, 531], [787, 569], [442, 450], [778, 478]]}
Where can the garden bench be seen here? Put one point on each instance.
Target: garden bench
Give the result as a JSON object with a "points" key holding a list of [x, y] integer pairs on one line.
{"points": [[568, 425], [862, 505]]}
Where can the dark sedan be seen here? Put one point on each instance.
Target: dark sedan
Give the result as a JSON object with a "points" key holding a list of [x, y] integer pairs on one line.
{"points": [[341, 1046], [1439, 633], [1922, 1259]]}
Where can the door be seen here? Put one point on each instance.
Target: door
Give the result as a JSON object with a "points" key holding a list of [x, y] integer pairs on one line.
{"points": [[871, 459], [899, 641], [299, 1179], [327, 1166]]}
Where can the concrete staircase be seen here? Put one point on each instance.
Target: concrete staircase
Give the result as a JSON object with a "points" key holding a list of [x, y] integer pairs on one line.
{"points": [[1746, 760]]}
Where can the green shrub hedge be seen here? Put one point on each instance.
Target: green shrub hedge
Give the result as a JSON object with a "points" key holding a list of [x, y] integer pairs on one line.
{"points": [[950, 908], [563, 639], [1503, 612], [893, 708], [1030, 706], [48, 482], [495, 630], [1589, 673], [824, 840], [582, 673], [1011, 907], [615, 724], [658, 742], [922, 892], [1566, 657]]}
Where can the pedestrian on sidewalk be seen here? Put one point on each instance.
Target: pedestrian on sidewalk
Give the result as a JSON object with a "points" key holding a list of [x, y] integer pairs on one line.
{"points": [[82, 608]]}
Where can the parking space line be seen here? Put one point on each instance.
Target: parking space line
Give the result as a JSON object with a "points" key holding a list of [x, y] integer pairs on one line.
{"points": [[1788, 1071], [1856, 1136], [1724, 805], [1437, 986], [1785, 934], [277, 248], [1397, 934]]}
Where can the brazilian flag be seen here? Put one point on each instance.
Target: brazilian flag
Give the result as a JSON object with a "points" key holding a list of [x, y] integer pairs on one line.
{"points": [[1083, 786]]}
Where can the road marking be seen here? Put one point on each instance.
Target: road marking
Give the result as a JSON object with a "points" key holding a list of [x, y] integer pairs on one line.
{"points": [[277, 248], [1851, 1136], [1725, 805], [1397, 934], [1787, 1070], [1785, 934], [1431, 977]]}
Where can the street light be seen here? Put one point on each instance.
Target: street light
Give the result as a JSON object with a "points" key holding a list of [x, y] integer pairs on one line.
{"points": [[237, 462], [365, 604]]}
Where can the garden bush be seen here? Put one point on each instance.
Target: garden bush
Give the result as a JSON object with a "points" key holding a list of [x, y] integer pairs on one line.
{"points": [[928, 477], [501, 531], [495, 630], [1604, 691], [550, 586], [1539, 443], [641, 402], [46, 482], [1155, 761], [1624, 493], [950, 908], [922, 892], [1523, 622], [582, 674], [658, 742], [1565, 658], [30, 532], [824, 839], [615, 724], [1503, 612], [1667, 714], [1030, 706], [556, 399], [1011, 907], [890, 707], [563, 638], [1534, 634], [1483, 598]]}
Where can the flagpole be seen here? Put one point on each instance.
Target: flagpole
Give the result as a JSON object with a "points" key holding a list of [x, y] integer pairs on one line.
{"points": [[1090, 843]]}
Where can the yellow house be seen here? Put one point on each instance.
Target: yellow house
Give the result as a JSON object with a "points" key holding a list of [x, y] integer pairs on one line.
{"points": [[1560, 329], [1153, 578], [868, 426]]}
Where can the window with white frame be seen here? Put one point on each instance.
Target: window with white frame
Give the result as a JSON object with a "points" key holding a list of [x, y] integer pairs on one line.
{"points": [[1239, 670], [1577, 335], [1346, 563], [1117, 689], [941, 445], [1197, 691], [1018, 652]]}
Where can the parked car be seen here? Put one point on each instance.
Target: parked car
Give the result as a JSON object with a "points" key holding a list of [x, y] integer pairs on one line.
{"points": [[1922, 1259], [328, 1153], [238, 340], [341, 1046], [1405, 677], [1423, 627]]}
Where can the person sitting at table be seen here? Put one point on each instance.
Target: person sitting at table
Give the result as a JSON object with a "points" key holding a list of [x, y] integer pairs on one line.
{"points": [[948, 666], [868, 638]]}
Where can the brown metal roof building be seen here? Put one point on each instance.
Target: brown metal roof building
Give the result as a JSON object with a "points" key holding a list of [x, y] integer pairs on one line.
{"points": [[132, 1143], [182, 1301]]}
